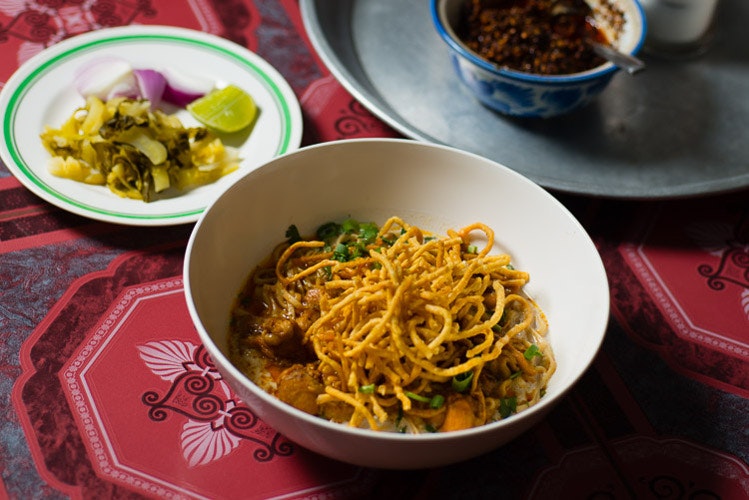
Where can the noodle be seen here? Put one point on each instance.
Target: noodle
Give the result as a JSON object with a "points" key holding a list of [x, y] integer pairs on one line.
{"points": [[397, 334]]}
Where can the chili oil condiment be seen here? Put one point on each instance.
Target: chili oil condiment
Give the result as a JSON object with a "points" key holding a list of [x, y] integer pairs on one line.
{"points": [[547, 37]]}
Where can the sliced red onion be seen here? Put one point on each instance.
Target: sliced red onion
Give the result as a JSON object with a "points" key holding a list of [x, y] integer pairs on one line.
{"points": [[109, 77], [102, 76], [151, 85], [182, 89], [125, 88]]}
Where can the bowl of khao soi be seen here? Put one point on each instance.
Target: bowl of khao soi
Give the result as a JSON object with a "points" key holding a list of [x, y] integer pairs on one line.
{"points": [[396, 308]]}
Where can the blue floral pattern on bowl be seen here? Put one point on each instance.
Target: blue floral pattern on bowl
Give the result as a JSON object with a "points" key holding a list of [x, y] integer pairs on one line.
{"points": [[507, 96]]}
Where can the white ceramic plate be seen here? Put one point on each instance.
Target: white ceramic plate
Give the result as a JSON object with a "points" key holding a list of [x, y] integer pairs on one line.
{"points": [[41, 93]]}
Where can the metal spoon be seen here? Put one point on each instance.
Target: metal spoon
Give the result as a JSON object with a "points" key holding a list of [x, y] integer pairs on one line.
{"points": [[630, 64]]}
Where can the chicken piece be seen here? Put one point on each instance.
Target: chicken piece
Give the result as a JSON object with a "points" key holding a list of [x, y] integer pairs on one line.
{"points": [[276, 338], [337, 411], [459, 414], [299, 386], [311, 311]]}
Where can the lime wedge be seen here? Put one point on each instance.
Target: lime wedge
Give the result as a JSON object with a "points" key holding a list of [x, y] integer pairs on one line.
{"points": [[229, 109]]}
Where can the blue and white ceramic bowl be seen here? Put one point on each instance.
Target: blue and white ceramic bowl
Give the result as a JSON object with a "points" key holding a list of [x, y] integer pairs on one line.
{"points": [[534, 95]]}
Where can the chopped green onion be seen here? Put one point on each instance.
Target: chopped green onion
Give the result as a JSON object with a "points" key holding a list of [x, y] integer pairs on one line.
{"points": [[532, 351], [507, 406], [437, 401], [367, 389], [292, 233], [461, 382], [501, 323], [510, 267], [472, 249], [430, 428], [515, 375], [417, 397]]}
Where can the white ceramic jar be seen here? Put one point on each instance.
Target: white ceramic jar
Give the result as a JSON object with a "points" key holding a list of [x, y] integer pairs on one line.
{"points": [[678, 26]]}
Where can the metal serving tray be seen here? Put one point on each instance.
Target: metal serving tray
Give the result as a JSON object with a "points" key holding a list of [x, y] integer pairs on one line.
{"points": [[678, 129]]}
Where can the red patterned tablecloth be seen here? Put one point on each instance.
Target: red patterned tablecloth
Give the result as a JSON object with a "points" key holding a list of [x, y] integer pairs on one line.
{"points": [[107, 392]]}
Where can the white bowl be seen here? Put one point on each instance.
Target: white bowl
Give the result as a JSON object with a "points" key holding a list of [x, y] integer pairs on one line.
{"points": [[432, 186]]}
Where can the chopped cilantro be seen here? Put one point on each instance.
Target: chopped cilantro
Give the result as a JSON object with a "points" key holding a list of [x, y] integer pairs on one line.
{"points": [[328, 231], [341, 253], [292, 233], [328, 272], [368, 232], [350, 226], [507, 406], [358, 250]]}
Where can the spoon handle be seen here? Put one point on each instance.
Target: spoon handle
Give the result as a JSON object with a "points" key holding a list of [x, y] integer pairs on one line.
{"points": [[625, 61]]}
